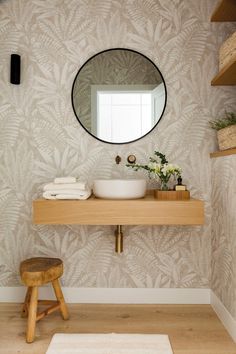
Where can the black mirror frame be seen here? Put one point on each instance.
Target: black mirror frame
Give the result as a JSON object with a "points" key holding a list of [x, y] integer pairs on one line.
{"points": [[131, 141]]}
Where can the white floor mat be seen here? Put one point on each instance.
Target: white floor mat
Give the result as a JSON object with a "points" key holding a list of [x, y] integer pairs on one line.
{"points": [[111, 343]]}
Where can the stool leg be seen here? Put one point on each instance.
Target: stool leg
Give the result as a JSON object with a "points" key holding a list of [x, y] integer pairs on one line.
{"points": [[60, 298], [24, 312], [32, 315]]}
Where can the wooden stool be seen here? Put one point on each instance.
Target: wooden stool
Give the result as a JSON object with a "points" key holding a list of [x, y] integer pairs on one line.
{"points": [[34, 273]]}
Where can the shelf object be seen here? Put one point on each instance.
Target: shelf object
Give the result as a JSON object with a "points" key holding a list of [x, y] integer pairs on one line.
{"points": [[226, 76], [171, 195], [93, 211], [225, 11], [223, 153]]}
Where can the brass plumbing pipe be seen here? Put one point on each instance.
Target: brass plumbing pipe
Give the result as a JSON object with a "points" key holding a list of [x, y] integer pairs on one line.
{"points": [[119, 239]]}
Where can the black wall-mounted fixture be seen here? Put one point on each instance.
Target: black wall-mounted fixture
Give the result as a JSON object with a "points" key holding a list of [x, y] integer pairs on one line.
{"points": [[15, 69]]}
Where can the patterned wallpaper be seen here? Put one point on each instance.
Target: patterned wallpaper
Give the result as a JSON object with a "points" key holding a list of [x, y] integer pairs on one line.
{"points": [[223, 280], [40, 137]]}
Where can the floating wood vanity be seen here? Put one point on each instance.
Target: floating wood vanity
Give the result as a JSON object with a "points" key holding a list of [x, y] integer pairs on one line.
{"points": [[93, 211]]}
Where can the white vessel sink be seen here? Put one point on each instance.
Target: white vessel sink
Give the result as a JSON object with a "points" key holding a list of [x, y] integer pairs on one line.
{"points": [[119, 188]]}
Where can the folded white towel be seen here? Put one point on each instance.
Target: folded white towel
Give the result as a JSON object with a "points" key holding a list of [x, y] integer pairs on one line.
{"points": [[62, 186], [65, 180], [49, 195], [76, 194], [67, 191]]}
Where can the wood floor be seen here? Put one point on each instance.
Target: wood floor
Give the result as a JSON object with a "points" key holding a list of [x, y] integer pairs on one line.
{"points": [[192, 329]]}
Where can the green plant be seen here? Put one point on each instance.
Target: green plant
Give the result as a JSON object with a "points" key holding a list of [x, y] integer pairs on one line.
{"points": [[227, 120], [160, 168]]}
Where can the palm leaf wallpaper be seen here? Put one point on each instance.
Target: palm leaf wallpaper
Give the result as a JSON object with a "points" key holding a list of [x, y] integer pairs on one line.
{"points": [[224, 231], [40, 138]]}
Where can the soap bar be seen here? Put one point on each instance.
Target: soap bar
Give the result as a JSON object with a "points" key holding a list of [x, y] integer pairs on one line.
{"points": [[180, 187]]}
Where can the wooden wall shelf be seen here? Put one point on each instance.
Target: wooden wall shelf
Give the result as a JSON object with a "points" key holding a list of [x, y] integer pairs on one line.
{"points": [[225, 11], [223, 153], [93, 211], [226, 76]]}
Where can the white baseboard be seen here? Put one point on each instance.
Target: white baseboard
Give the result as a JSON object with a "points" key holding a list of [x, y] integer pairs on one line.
{"points": [[226, 318], [115, 295]]}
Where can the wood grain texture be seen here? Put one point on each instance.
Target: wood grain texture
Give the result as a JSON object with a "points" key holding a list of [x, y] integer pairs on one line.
{"points": [[225, 11], [35, 272], [223, 153], [25, 307], [146, 211], [40, 270], [60, 299], [30, 333], [192, 329], [171, 195], [226, 76], [48, 311]]}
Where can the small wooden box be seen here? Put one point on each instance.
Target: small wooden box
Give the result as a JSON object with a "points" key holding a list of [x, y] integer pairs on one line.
{"points": [[171, 195]]}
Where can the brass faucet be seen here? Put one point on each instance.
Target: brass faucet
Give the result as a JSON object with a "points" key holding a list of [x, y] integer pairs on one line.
{"points": [[119, 239]]}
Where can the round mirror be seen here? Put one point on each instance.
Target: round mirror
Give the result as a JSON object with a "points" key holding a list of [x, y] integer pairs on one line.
{"points": [[119, 96]]}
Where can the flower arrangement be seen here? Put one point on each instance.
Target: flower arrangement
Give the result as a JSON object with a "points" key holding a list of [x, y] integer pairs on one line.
{"points": [[226, 121], [160, 168]]}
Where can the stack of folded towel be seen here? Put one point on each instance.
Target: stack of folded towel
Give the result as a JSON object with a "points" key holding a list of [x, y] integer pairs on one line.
{"points": [[66, 188]]}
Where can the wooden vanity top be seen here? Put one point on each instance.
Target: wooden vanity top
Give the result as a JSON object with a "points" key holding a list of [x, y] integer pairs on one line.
{"points": [[94, 211]]}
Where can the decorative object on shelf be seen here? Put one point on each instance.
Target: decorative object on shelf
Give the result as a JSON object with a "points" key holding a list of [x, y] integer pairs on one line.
{"points": [[66, 188], [179, 186], [227, 52], [226, 130], [225, 12], [160, 168], [171, 195]]}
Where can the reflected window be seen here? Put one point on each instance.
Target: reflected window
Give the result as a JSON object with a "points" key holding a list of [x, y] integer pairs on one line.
{"points": [[124, 113], [123, 74]]}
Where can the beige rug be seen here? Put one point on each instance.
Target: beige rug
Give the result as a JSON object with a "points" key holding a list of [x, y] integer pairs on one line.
{"points": [[109, 344]]}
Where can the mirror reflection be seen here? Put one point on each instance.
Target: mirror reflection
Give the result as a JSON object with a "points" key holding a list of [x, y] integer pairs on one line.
{"points": [[119, 96]]}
